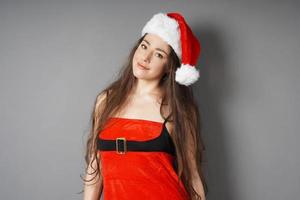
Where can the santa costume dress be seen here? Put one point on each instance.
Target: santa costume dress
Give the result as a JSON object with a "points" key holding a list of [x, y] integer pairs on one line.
{"points": [[137, 160]]}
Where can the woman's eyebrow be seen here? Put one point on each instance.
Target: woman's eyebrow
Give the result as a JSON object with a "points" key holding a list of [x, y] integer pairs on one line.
{"points": [[159, 49]]}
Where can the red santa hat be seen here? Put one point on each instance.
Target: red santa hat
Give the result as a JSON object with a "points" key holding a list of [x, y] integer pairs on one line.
{"points": [[174, 30]]}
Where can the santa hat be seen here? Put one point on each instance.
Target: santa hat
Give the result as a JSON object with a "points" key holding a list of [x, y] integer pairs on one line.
{"points": [[174, 30]]}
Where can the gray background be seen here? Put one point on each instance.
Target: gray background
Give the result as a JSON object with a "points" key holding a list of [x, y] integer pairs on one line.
{"points": [[56, 56]]}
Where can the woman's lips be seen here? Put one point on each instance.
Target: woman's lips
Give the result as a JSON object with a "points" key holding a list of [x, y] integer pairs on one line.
{"points": [[142, 67]]}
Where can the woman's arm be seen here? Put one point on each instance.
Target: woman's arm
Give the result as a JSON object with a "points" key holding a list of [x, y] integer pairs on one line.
{"points": [[92, 189], [196, 181]]}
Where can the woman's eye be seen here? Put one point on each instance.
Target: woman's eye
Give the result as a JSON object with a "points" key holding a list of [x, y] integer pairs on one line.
{"points": [[159, 55], [142, 45]]}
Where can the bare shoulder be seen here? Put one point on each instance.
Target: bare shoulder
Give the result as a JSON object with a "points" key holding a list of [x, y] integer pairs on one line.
{"points": [[170, 127], [102, 95], [101, 99]]}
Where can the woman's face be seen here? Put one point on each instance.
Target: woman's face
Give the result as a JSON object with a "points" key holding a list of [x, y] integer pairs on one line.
{"points": [[150, 58]]}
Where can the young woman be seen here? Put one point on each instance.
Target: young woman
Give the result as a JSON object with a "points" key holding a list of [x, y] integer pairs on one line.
{"points": [[145, 138]]}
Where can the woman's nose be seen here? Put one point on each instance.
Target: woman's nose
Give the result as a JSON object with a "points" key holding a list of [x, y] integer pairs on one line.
{"points": [[147, 56]]}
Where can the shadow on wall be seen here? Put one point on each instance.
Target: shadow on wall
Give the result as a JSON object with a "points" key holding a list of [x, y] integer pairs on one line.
{"points": [[213, 87]]}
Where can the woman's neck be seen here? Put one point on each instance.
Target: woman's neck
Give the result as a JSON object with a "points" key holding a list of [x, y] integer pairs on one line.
{"points": [[146, 88]]}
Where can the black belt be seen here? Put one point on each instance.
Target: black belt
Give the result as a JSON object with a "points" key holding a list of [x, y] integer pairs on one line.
{"points": [[121, 145]]}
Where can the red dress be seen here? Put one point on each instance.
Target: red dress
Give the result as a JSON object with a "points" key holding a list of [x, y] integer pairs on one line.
{"points": [[138, 175]]}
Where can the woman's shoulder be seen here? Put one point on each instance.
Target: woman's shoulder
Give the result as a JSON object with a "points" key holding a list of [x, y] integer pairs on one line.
{"points": [[169, 126], [101, 97]]}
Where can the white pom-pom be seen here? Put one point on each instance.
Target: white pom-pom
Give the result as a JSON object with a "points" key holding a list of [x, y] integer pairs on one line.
{"points": [[187, 74]]}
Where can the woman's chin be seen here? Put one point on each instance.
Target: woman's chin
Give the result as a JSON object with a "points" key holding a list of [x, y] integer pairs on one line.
{"points": [[140, 75], [140, 72]]}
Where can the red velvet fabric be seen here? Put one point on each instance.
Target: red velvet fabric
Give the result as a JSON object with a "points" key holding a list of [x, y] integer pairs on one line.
{"points": [[190, 46], [138, 175]]}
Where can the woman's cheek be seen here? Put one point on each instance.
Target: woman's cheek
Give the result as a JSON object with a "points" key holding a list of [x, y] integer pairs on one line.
{"points": [[159, 68]]}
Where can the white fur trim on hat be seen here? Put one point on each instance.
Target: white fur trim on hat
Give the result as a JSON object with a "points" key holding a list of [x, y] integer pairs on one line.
{"points": [[167, 28], [187, 74]]}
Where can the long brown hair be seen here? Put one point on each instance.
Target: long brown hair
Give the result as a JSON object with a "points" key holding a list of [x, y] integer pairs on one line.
{"points": [[176, 98]]}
